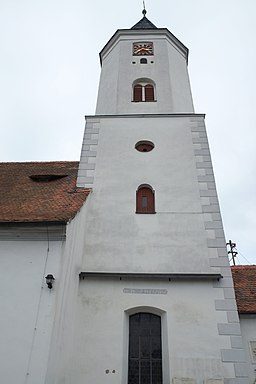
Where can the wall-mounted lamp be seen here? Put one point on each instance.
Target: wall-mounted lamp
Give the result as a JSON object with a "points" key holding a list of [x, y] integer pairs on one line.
{"points": [[49, 280]]}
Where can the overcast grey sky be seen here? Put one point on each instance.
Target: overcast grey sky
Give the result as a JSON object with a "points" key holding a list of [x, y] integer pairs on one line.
{"points": [[50, 72]]}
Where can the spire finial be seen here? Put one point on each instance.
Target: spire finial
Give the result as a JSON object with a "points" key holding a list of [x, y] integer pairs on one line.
{"points": [[144, 12]]}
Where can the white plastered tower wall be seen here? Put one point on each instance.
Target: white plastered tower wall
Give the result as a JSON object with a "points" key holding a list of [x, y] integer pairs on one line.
{"points": [[167, 68], [173, 263]]}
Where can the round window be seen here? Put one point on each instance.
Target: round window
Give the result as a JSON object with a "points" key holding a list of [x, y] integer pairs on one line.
{"points": [[144, 146]]}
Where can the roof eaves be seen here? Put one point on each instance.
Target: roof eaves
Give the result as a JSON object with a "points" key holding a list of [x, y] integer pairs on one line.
{"points": [[33, 222]]}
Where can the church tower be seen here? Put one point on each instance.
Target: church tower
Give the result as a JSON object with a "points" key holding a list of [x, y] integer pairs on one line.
{"points": [[156, 303]]}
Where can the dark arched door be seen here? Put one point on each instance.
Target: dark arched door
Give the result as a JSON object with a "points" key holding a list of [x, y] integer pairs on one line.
{"points": [[145, 349]]}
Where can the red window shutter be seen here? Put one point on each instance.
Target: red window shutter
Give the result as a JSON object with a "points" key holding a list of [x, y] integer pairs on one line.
{"points": [[137, 93], [145, 200], [149, 92]]}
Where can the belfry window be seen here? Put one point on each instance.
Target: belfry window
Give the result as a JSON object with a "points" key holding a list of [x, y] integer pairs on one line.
{"points": [[145, 199], [143, 92], [137, 93], [145, 349], [149, 92]]}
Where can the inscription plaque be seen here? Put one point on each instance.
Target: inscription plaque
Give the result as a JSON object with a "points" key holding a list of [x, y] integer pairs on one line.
{"points": [[145, 291]]}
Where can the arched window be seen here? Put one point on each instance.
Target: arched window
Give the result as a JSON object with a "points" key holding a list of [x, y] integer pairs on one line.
{"points": [[145, 199], [145, 349], [137, 92], [149, 92], [143, 90], [143, 61]]}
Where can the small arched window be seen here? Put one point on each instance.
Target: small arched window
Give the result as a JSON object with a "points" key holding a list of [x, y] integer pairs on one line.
{"points": [[143, 91], [143, 61], [145, 199]]}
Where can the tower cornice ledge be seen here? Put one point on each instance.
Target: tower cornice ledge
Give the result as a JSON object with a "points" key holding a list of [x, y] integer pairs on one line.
{"points": [[159, 276], [146, 115]]}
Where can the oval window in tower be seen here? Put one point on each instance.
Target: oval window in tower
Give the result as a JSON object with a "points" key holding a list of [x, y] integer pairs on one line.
{"points": [[144, 146]]}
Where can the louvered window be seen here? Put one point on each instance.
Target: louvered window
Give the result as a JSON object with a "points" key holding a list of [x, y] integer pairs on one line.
{"points": [[137, 93], [143, 92], [145, 349], [149, 92], [145, 200]]}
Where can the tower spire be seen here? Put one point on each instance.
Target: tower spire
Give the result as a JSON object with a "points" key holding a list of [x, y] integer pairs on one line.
{"points": [[144, 12]]}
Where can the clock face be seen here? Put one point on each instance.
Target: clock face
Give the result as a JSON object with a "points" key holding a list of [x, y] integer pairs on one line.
{"points": [[142, 49]]}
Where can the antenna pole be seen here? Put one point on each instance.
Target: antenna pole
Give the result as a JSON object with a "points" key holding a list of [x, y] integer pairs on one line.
{"points": [[231, 251], [144, 12]]}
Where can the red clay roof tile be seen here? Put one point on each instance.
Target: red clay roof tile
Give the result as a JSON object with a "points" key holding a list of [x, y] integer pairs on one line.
{"points": [[244, 277], [26, 199]]}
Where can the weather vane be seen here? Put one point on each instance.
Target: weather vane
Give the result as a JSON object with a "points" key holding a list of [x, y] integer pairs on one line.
{"points": [[144, 9]]}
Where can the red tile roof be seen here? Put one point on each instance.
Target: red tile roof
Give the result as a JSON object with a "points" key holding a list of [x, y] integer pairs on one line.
{"points": [[49, 195], [244, 277]]}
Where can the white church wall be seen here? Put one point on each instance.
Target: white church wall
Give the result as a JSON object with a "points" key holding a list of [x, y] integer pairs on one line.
{"points": [[179, 82], [27, 308], [248, 328], [177, 229], [190, 340], [185, 236], [60, 356]]}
